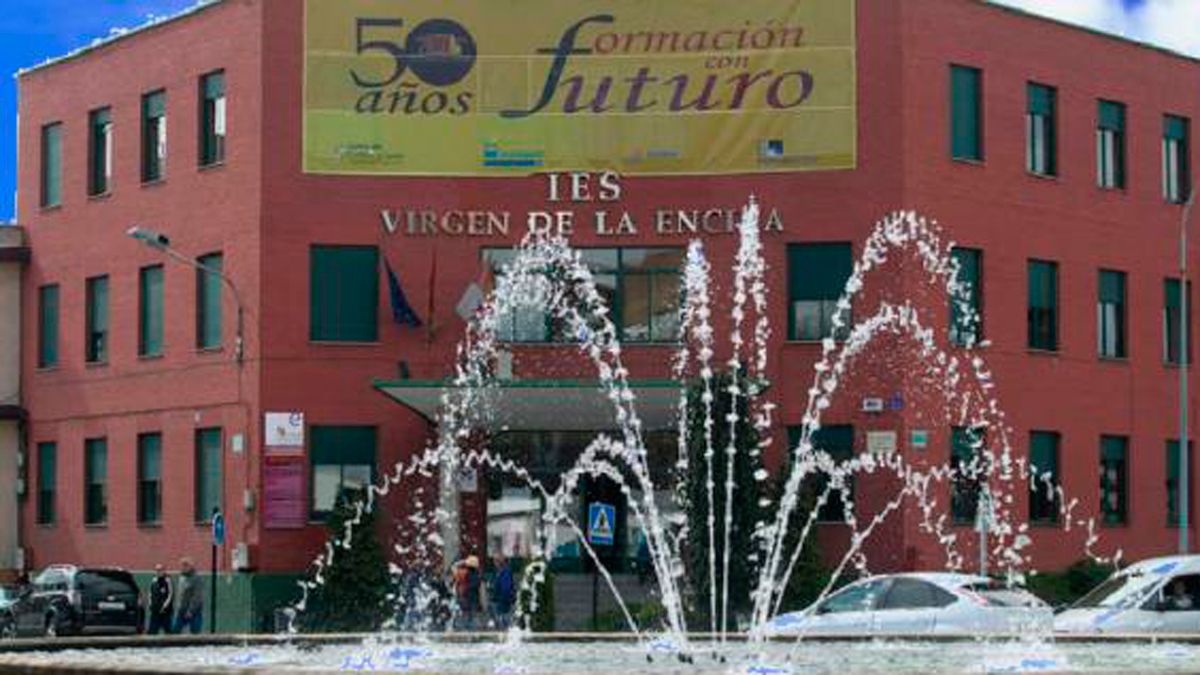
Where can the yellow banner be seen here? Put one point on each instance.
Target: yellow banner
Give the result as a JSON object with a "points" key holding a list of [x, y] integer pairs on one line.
{"points": [[471, 88]]}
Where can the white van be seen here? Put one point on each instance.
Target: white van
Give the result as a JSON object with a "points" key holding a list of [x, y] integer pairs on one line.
{"points": [[1160, 595]]}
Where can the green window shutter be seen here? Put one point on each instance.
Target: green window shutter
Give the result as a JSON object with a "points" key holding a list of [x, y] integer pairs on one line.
{"points": [[818, 271], [97, 320], [150, 310], [99, 147], [48, 326], [208, 301], [343, 445], [1041, 100], [208, 473], [52, 164], [344, 293], [1175, 128], [1113, 448], [1043, 452], [212, 118], [966, 124], [1111, 116], [150, 466], [154, 113], [95, 481], [149, 477], [1112, 287], [47, 482]]}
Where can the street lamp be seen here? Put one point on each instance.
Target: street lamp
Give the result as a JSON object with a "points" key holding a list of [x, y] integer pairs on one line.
{"points": [[1184, 497], [160, 242]]}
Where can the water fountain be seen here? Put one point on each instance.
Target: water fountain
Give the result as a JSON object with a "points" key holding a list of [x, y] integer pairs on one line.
{"points": [[549, 276]]}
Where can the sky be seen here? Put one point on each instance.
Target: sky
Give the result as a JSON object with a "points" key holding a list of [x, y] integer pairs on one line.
{"points": [[34, 30]]}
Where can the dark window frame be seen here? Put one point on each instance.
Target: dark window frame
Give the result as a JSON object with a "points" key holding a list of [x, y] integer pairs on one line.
{"points": [[1114, 480], [151, 310], [206, 496], [100, 148], [51, 173], [968, 329], [214, 119], [47, 487], [1110, 137], [818, 290], [341, 457], [209, 301], [95, 482], [1114, 293], [154, 136], [1176, 158], [1044, 500], [49, 331], [1042, 321], [149, 487], [1041, 130], [98, 319], [966, 111]]}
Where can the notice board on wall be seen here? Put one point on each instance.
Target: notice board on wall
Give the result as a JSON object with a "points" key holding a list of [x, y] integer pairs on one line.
{"points": [[284, 506]]}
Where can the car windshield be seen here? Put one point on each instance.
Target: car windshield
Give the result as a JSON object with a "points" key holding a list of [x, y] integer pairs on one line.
{"points": [[106, 582], [1124, 589]]}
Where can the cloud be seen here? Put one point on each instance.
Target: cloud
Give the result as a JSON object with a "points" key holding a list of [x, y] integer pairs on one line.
{"points": [[1166, 23]]}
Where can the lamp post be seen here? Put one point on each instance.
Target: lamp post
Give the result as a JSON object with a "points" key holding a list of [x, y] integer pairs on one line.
{"points": [[1184, 487], [160, 242]]}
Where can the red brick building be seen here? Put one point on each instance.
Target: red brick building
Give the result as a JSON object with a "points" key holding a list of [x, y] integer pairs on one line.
{"points": [[1057, 155]]}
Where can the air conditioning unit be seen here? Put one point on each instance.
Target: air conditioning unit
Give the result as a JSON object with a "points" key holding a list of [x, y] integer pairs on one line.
{"points": [[872, 405]]}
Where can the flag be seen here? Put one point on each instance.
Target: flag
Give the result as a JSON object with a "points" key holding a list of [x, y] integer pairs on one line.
{"points": [[431, 329], [402, 312], [476, 294]]}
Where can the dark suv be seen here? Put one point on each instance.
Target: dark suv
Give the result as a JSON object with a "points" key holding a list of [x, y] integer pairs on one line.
{"points": [[68, 600]]}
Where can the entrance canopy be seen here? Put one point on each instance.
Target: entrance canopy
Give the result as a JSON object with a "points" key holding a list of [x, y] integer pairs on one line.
{"points": [[534, 405]]}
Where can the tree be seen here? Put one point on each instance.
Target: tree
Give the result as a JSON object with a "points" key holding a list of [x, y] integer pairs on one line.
{"points": [[747, 512], [354, 595]]}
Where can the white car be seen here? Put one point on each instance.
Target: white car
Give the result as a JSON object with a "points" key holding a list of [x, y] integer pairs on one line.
{"points": [[1160, 595], [920, 603]]}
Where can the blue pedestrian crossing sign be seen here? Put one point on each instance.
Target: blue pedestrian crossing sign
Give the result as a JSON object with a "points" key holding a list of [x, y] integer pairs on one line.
{"points": [[602, 519], [218, 529]]}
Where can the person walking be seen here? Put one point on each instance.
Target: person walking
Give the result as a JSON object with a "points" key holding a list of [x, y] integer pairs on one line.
{"points": [[191, 599], [160, 602], [504, 592]]}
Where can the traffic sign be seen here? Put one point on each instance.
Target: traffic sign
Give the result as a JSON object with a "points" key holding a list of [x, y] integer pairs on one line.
{"points": [[602, 519], [218, 529]]}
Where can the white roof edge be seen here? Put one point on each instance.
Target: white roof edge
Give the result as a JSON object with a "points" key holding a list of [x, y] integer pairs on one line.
{"points": [[118, 34]]}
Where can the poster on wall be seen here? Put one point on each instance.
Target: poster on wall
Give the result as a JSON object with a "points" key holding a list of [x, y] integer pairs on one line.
{"points": [[283, 433], [467, 88], [284, 505]]}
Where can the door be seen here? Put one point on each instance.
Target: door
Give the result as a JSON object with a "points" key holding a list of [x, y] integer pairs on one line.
{"points": [[911, 606], [849, 610]]}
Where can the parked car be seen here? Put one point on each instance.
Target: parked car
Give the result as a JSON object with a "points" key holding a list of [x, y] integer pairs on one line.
{"points": [[8, 597], [929, 602], [68, 600], [1160, 595]]}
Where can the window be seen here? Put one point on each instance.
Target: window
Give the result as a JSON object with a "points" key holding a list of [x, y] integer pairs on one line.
{"points": [[97, 320], [343, 458], [48, 326], [966, 113], [95, 472], [212, 118], [1043, 305], [154, 136], [150, 311], [1110, 145], [1176, 173], [1039, 130], [1173, 474], [1171, 324], [1043, 477], [967, 462], [817, 275], [149, 496], [100, 146], [1110, 315], [838, 441], [208, 473], [641, 286], [1114, 463], [344, 293], [907, 593], [47, 480], [52, 165], [208, 301], [966, 323], [860, 597]]}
